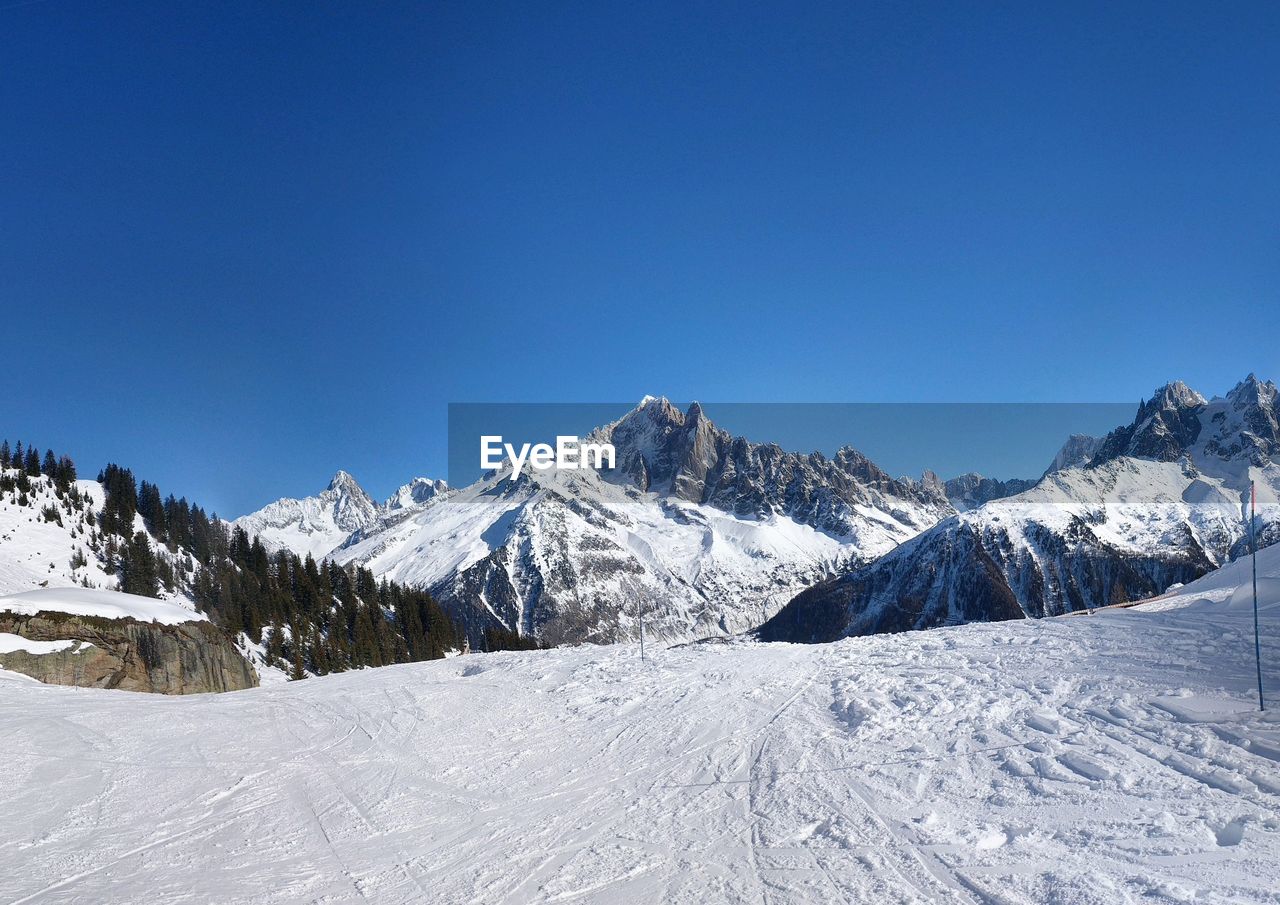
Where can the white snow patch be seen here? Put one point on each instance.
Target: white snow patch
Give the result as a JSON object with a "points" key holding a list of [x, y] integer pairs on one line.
{"points": [[9, 643], [104, 604]]}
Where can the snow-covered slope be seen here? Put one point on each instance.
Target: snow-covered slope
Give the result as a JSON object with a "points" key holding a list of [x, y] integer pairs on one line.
{"points": [[707, 533], [1220, 584], [1162, 501], [39, 551], [53, 540], [1117, 758]]}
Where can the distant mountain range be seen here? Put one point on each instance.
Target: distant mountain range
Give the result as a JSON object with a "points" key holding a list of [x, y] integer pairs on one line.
{"points": [[711, 534], [1158, 501], [316, 525], [706, 532], [698, 532]]}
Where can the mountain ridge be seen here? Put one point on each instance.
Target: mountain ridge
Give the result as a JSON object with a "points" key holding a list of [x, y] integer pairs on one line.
{"points": [[712, 531], [1161, 501], [317, 525]]}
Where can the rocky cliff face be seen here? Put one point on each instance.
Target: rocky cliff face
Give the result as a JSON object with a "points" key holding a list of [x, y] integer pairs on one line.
{"points": [[1077, 451], [683, 455], [187, 658], [1166, 425], [969, 491]]}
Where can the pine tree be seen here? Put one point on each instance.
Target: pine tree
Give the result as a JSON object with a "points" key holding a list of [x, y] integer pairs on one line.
{"points": [[122, 500], [151, 508], [319, 654], [340, 617], [138, 571], [274, 642], [64, 475], [297, 673], [364, 648]]}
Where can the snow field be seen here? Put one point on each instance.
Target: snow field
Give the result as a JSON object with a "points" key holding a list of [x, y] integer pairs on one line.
{"points": [[103, 604], [1105, 759]]}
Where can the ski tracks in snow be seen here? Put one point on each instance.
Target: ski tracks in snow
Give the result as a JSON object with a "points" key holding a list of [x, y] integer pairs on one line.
{"points": [[1104, 759]]}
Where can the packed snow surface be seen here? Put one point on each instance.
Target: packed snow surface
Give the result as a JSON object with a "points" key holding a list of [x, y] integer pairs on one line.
{"points": [[106, 604], [1106, 759], [1220, 584]]}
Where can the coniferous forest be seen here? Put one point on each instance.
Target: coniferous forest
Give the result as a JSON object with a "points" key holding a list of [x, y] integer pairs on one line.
{"points": [[309, 617]]}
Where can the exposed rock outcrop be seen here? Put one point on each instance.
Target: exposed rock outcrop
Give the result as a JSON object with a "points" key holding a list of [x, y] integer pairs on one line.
{"points": [[969, 491], [187, 658]]}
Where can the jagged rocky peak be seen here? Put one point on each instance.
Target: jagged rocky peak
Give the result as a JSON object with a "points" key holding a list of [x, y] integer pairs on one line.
{"points": [[1077, 451], [343, 481], [968, 491], [699, 447], [415, 494], [1244, 423], [931, 482], [1165, 427], [1178, 421], [353, 508], [658, 447], [1253, 391], [314, 525], [657, 410], [684, 455], [1172, 397]]}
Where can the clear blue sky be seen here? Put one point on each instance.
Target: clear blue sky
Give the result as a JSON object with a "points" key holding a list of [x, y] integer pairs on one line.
{"points": [[243, 244]]}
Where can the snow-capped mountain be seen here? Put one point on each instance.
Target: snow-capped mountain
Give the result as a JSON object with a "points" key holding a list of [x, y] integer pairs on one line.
{"points": [[314, 525], [685, 456], [414, 495], [1162, 500], [317, 525], [708, 533]]}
